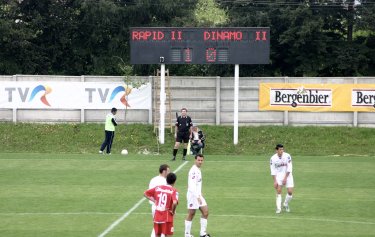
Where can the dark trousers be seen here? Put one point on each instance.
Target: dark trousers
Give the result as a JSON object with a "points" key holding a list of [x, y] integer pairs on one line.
{"points": [[109, 135], [196, 147]]}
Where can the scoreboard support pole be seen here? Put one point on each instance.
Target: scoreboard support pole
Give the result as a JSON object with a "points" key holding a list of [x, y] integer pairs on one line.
{"points": [[162, 104], [236, 92], [211, 45]]}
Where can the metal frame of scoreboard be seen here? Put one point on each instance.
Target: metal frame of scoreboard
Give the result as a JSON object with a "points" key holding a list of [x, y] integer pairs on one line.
{"points": [[173, 45], [170, 45]]}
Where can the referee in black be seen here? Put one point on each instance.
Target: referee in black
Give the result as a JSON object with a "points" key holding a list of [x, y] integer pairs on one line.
{"points": [[183, 133]]}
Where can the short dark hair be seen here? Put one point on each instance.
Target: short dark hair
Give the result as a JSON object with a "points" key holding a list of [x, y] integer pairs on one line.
{"points": [[113, 109], [279, 146], [199, 155], [184, 109], [171, 178], [163, 167]]}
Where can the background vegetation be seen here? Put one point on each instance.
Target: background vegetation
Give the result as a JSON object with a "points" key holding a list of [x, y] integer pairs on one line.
{"points": [[77, 37], [87, 138]]}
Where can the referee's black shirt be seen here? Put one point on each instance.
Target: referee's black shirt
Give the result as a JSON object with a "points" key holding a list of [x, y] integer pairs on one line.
{"points": [[184, 124]]}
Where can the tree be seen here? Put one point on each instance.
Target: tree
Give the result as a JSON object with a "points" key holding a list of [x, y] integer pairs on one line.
{"points": [[130, 83], [75, 37], [15, 41], [208, 14], [307, 38]]}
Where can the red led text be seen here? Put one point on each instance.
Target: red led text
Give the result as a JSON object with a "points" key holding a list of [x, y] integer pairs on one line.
{"points": [[222, 35], [261, 35], [147, 35], [176, 35]]}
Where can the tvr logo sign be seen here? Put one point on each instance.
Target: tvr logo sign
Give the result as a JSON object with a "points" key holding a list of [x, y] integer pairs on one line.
{"points": [[103, 94], [23, 93]]}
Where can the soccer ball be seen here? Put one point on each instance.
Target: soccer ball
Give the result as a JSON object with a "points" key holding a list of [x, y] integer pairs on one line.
{"points": [[124, 152]]}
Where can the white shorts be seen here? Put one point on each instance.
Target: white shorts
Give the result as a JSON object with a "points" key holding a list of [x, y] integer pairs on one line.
{"points": [[192, 202], [289, 181]]}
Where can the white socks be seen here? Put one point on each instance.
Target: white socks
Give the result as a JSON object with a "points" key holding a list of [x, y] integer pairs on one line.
{"points": [[187, 227], [278, 201], [153, 233], [287, 199], [203, 226]]}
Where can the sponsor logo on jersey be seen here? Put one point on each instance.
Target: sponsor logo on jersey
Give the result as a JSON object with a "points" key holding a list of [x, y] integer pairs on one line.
{"points": [[280, 165], [158, 189]]}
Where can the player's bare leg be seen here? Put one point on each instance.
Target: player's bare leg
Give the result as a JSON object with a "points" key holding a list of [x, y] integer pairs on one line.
{"points": [[189, 221], [204, 217], [153, 208], [288, 198], [154, 235], [175, 149], [278, 198]]}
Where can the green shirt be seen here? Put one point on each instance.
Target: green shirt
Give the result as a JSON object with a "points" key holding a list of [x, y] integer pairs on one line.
{"points": [[109, 126]]}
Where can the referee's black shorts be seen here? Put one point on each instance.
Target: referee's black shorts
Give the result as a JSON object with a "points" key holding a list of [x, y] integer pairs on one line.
{"points": [[183, 136]]}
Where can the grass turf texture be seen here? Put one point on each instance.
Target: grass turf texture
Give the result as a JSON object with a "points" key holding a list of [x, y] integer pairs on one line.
{"points": [[77, 195], [136, 138]]}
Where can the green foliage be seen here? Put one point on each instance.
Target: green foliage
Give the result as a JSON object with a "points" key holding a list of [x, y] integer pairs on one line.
{"points": [[308, 38], [208, 14], [77, 37], [137, 138], [127, 72]]}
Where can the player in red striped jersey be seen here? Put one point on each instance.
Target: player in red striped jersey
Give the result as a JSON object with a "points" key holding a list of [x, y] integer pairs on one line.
{"points": [[165, 198]]}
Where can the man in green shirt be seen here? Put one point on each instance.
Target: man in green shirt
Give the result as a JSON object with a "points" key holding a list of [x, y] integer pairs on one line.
{"points": [[110, 123]]}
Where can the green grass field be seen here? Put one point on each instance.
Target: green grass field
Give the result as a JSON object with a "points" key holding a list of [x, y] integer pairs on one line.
{"points": [[62, 195]]}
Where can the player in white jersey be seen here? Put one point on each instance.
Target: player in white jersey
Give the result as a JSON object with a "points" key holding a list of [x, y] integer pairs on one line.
{"points": [[281, 171], [195, 199], [157, 181]]}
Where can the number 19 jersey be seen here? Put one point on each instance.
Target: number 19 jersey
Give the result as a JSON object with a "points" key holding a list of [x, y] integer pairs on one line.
{"points": [[164, 196]]}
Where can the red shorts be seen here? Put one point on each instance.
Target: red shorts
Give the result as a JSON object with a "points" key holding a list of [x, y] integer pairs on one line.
{"points": [[164, 228]]}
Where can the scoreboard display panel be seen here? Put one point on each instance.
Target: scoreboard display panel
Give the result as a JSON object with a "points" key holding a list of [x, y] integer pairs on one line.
{"points": [[170, 45]]}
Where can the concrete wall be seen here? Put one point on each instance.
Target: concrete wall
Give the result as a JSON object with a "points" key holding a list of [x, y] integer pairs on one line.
{"points": [[209, 101]]}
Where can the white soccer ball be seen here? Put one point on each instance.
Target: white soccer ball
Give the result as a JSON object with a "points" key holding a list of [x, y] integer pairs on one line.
{"points": [[124, 152]]}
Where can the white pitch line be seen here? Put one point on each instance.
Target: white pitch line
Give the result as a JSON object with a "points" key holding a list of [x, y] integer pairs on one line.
{"points": [[126, 214], [297, 218], [146, 213], [55, 213], [280, 217]]}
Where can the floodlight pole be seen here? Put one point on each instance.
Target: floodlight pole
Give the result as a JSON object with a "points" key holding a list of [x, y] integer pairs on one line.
{"points": [[162, 103], [235, 107]]}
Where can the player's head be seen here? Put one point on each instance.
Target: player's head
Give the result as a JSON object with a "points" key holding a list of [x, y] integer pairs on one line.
{"points": [[195, 129], [171, 178], [113, 110], [183, 111], [279, 149], [199, 160], [164, 170]]}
